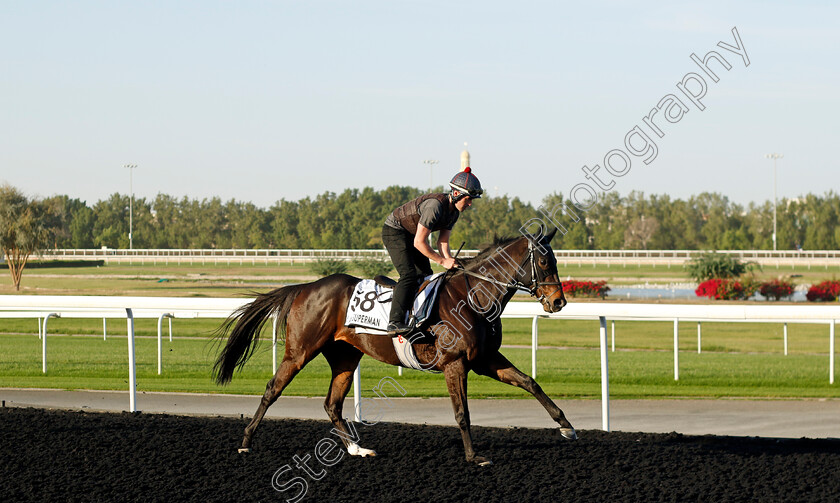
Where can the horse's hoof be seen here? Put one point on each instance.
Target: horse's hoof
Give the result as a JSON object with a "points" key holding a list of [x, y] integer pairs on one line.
{"points": [[243, 450], [480, 461], [568, 433], [355, 450]]}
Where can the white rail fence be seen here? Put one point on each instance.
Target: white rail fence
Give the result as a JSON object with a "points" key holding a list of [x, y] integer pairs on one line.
{"points": [[272, 256], [48, 307]]}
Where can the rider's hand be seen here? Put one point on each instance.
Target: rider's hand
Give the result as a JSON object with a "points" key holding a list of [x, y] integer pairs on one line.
{"points": [[449, 263]]}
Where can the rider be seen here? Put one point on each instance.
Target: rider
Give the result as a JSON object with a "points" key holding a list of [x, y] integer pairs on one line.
{"points": [[405, 233]]}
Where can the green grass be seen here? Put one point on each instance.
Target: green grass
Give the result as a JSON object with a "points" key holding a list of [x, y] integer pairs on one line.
{"points": [[220, 279], [645, 335], [738, 359], [85, 362], [115, 326], [619, 274], [659, 335]]}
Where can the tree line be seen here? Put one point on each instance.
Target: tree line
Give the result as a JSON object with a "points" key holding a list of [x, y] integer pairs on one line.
{"points": [[353, 219]]}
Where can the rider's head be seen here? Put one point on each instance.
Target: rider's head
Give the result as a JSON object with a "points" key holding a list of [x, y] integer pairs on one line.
{"points": [[465, 184]]}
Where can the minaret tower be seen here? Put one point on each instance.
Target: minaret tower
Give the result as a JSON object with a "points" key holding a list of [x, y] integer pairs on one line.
{"points": [[465, 158]]}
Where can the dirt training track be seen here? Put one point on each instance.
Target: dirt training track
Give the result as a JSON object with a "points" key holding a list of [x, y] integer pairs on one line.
{"points": [[59, 455]]}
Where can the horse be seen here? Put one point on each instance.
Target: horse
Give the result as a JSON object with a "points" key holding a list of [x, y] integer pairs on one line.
{"points": [[463, 334]]}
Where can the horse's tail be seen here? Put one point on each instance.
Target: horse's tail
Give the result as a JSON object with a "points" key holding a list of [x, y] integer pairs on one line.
{"points": [[247, 322]]}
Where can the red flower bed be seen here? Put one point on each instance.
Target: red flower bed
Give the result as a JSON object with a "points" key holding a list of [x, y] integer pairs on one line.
{"points": [[827, 291], [574, 288], [725, 289], [776, 289]]}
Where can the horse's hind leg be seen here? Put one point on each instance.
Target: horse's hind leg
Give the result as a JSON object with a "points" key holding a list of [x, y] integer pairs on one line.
{"points": [[500, 368], [343, 359], [287, 371], [456, 381]]}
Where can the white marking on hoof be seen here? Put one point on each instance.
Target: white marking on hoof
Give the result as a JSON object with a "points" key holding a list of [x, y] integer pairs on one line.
{"points": [[568, 433], [354, 450], [243, 450], [480, 461]]}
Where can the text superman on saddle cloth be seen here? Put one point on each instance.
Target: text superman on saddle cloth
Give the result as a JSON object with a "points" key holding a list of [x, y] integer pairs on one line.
{"points": [[405, 235]]}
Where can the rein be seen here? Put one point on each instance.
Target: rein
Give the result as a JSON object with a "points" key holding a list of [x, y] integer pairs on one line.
{"points": [[514, 283]]}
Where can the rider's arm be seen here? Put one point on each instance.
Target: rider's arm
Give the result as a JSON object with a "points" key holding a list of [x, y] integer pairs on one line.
{"points": [[443, 243], [421, 243]]}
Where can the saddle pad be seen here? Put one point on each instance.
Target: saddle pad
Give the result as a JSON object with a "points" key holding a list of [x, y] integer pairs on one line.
{"points": [[370, 305], [405, 352]]}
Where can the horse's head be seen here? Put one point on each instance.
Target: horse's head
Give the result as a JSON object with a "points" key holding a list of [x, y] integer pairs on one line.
{"points": [[519, 263], [544, 282]]}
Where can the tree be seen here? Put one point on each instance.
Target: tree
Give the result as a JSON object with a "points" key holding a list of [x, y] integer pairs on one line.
{"points": [[713, 265], [110, 217], [284, 223], [22, 229], [822, 220], [70, 222], [609, 221], [639, 233], [353, 219]]}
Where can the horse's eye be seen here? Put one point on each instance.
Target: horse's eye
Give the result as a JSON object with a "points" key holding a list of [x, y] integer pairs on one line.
{"points": [[542, 261]]}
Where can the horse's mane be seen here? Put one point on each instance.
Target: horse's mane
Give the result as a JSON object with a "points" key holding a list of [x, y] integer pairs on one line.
{"points": [[498, 242]]}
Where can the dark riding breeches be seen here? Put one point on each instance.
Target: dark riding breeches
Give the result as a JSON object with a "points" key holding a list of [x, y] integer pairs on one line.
{"points": [[411, 265]]}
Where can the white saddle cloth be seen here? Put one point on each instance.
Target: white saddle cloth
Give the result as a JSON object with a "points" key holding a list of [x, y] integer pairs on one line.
{"points": [[370, 308]]}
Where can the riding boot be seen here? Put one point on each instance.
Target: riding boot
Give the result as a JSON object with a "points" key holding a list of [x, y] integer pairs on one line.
{"points": [[402, 299]]}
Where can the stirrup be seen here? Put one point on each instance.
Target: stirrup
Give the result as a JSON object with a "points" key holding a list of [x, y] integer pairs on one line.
{"points": [[403, 328], [395, 329]]}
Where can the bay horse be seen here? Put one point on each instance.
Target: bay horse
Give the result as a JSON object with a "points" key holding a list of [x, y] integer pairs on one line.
{"points": [[464, 333]]}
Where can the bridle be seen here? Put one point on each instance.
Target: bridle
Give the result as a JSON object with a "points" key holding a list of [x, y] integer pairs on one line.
{"points": [[515, 284]]}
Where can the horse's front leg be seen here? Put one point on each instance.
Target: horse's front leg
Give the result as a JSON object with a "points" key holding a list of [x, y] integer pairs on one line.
{"points": [[500, 368], [456, 381]]}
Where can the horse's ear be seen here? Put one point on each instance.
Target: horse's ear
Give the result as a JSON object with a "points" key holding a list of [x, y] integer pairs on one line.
{"points": [[551, 234]]}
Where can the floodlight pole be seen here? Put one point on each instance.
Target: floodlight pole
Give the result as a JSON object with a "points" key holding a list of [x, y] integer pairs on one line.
{"points": [[774, 156], [431, 163], [130, 204]]}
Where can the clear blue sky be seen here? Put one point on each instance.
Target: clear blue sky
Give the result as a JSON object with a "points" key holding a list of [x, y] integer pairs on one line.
{"points": [[265, 100]]}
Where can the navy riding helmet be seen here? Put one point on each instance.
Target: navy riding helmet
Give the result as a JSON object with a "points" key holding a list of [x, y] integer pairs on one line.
{"points": [[467, 184]]}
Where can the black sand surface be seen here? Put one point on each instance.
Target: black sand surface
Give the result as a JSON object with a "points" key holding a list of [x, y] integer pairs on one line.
{"points": [[77, 456]]}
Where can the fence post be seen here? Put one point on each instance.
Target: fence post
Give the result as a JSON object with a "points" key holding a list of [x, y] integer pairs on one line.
{"points": [[612, 322], [160, 336], [132, 374], [676, 349], [44, 341], [104, 329], [357, 393], [534, 339], [699, 338], [605, 377], [786, 340], [830, 352]]}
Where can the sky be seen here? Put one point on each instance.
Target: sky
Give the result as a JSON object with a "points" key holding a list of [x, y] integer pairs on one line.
{"points": [[268, 100]]}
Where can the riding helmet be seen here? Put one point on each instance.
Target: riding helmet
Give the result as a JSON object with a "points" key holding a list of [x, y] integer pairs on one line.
{"points": [[467, 184]]}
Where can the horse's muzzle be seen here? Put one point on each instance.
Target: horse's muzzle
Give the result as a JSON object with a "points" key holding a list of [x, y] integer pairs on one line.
{"points": [[554, 306]]}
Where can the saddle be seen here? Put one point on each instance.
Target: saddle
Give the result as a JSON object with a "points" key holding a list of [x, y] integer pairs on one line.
{"points": [[370, 303], [384, 281]]}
